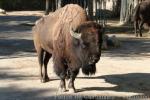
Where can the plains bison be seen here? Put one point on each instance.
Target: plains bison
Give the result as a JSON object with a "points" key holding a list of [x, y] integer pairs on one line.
{"points": [[72, 41], [141, 16]]}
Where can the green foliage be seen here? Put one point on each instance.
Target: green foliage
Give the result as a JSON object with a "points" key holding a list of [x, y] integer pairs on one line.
{"points": [[22, 4], [0, 3]]}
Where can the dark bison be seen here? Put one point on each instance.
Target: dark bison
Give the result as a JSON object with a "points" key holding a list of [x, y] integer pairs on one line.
{"points": [[141, 16], [72, 41]]}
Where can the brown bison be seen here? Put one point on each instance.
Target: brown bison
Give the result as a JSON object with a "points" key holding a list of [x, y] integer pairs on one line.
{"points": [[141, 16], [72, 41]]}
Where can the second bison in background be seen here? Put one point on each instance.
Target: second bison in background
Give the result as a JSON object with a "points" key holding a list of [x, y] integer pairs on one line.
{"points": [[141, 16], [72, 40]]}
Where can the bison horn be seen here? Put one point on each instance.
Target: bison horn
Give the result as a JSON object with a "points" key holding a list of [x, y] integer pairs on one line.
{"points": [[75, 34]]}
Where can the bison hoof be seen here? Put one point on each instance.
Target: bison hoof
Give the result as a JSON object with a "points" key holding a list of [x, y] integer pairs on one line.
{"points": [[71, 90], [45, 80]]}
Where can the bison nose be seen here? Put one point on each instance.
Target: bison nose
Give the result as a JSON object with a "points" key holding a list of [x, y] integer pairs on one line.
{"points": [[95, 58]]}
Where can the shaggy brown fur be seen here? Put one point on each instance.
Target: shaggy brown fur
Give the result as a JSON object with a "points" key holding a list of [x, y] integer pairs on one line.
{"points": [[52, 37]]}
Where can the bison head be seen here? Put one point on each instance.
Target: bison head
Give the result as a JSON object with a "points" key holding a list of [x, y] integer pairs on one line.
{"points": [[87, 40]]}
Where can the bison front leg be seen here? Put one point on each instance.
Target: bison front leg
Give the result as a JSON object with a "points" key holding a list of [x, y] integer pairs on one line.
{"points": [[71, 86], [60, 69], [62, 84]]}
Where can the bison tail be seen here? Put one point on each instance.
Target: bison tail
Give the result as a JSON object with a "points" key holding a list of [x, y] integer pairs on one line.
{"points": [[89, 70]]}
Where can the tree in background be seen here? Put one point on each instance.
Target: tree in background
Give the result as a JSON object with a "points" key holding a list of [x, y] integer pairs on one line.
{"points": [[116, 8], [22, 4], [127, 9], [47, 7]]}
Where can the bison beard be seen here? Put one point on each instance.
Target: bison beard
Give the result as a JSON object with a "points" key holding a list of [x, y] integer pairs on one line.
{"points": [[89, 69]]}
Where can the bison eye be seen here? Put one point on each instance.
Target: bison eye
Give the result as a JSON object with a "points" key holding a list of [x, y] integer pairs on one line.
{"points": [[85, 45]]}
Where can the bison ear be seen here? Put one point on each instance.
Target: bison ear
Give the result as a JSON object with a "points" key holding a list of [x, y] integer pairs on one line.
{"points": [[83, 46]]}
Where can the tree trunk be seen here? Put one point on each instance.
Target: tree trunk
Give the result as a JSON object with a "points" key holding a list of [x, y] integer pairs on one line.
{"points": [[123, 11], [47, 7], [116, 7], [90, 9], [127, 7], [59, 3], [136, 2]]}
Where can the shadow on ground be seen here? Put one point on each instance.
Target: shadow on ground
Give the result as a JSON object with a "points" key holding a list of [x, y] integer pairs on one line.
{"points": [[12, 48], [10, 24], [130, 47], [8, 74], [17, 93], [14, 36], [128, 29], [131, 82]]}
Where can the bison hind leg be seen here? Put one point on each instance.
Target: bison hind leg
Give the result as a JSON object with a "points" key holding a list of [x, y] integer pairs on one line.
{"points": [[45, 77], [40, 53], [43, 58]]}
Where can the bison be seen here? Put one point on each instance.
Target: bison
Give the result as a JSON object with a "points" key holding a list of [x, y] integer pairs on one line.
{"points": [[141, 16], [72, 40]]}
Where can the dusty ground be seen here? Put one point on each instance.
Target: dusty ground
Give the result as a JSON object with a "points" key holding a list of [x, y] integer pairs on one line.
{"points": [[123, 71]]}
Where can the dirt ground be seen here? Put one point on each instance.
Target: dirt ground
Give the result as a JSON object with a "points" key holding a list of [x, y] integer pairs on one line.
{"points": [[122, 71]]}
